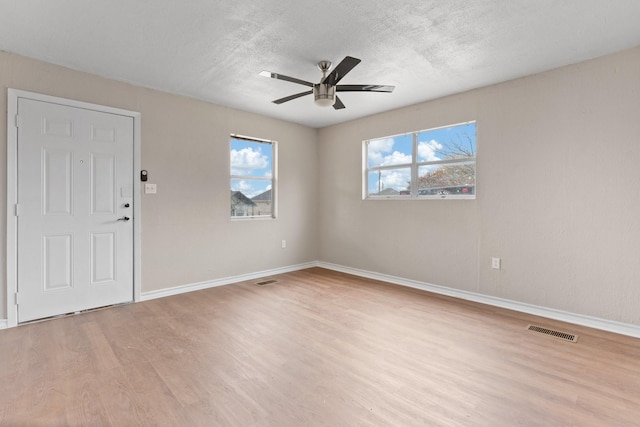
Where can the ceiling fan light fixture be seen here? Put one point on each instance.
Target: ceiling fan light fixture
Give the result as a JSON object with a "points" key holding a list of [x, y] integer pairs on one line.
{"points": [[325, 92], [324, 95]]}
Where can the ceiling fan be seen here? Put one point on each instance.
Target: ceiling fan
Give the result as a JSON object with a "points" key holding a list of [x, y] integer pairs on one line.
{"points": [[324, 93]]}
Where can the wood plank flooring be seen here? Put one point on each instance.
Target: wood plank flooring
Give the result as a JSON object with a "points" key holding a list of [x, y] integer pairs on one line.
{"points": [[317, 348]]}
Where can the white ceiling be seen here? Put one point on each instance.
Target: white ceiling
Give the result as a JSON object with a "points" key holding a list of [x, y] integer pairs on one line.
{"points": [[214, 50]]}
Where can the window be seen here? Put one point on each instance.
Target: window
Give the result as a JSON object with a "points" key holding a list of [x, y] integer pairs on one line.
{"points": [[432, 164], [252, 177]]}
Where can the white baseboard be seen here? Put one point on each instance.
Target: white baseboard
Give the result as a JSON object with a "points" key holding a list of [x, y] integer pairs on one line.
{"points": [[565, 316], [146, 296]]}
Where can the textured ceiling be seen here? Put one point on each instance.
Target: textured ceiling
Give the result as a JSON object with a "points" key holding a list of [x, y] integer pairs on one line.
{"points": [[214, 50]]}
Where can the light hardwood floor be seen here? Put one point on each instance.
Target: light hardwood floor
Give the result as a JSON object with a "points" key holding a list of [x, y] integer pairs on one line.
{"points": [[317, 348]]}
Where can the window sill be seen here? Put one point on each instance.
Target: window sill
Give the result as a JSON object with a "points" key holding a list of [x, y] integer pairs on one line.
{"points": [[251, 218], [445, 197]]}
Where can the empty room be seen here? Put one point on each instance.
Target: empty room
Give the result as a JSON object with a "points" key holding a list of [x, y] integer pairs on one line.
{"points": [[320, 213]]}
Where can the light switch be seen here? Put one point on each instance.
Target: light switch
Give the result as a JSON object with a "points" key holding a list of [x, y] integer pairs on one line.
{"points": [[150, 189]]}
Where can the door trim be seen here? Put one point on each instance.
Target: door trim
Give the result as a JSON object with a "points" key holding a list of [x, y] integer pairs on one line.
{"points": [[12, 191]]}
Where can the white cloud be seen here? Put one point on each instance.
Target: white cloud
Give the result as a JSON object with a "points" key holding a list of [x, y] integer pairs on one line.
{"points": [[397, 158], [427, 150], [398, 179], [381, 145], [243, 186], [244, 161], [376, 150]]}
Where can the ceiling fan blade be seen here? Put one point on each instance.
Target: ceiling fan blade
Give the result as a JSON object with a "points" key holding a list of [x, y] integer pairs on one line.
{"points": [[364, 88], [338, 105], [285, 78], [341, 70], [291, 97]]}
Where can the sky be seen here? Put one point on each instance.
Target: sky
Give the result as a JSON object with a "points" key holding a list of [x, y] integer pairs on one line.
{"points": [[251, 160], [433, 145]]}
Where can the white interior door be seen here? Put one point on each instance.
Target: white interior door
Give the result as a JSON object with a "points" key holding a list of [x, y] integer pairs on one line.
{"points": [[75, 197]]}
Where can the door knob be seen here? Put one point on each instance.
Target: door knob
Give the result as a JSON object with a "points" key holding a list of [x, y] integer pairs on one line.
{"points": [[126, 205], [124, 218]]}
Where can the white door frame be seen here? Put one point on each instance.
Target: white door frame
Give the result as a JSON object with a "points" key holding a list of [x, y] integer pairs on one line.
{"points": [[12, 191]]}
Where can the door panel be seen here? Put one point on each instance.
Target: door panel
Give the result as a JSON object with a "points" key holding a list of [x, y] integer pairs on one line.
{"points": [[58, 261], [53, 126], [103, 183], [57, 182], [103, 134], [103, 257], [75, 175]]}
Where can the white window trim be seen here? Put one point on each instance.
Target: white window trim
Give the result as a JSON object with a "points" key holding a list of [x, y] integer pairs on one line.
{"points": [[414, 166], [273, 179]]}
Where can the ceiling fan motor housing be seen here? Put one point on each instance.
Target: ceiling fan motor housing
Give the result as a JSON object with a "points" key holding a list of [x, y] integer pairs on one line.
{"points": [[324, 94]]}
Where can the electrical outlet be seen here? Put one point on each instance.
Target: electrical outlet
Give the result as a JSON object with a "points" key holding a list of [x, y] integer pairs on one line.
{"points": [[495, 263], [150, 189]]}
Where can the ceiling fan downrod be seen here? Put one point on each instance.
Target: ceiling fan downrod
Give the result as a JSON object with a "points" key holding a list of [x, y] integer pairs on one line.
{"points": [[324, 95]]}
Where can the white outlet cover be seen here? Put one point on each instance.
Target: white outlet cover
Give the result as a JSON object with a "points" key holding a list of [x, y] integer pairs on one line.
{"points": [[150, 189], [495, 263]]}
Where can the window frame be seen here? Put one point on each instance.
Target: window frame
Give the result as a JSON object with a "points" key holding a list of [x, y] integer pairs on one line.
{"points": [[274, 151], [414, 167]]}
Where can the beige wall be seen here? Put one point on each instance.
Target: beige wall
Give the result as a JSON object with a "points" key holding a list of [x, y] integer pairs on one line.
{"points": [[558, 189], [187, 236], [558, 194]]}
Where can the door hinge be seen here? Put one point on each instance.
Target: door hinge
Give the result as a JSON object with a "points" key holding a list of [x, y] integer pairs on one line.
{"points": [[17, 298], [17, 120], [17, 211]]}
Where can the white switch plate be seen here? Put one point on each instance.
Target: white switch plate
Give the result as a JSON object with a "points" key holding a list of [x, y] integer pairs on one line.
{"points": [[150, 189], [284, 244], [495, 263]]}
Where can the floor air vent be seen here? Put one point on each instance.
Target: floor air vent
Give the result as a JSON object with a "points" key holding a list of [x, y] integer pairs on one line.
{"points": [[266, 282], [552, 333]]}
